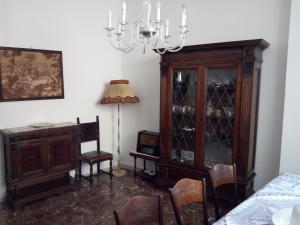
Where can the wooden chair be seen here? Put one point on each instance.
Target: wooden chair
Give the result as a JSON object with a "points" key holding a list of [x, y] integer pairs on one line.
{"points": [[221, 174], [140, 210], [187, 191], [90, 132]]}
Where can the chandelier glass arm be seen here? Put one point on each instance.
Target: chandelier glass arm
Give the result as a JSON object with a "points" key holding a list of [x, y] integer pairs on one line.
{"points": [[118, 47], [166, 48]]}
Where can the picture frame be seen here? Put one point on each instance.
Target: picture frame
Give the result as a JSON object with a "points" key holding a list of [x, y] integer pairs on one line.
{"points": [[30, 74]]}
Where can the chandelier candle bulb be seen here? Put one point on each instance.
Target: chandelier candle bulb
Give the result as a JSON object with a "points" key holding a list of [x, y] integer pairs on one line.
{"points": [[183, 18], [158, 12], [148, 14], [162, 30], [123, 12], [109, 19], [167, 28], [120, 28], [138, 31]]}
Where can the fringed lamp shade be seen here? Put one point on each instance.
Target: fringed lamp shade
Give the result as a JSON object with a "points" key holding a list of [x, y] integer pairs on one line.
{"points": [[119, 92]]}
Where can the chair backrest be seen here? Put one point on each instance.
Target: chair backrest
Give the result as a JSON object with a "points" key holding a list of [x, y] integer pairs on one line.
{"points": [[89, 131], [221, 174], [140, 210], [187, 191]]}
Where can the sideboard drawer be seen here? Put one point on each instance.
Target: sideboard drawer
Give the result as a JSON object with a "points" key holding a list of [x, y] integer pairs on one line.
{"points": [[40, 134]]}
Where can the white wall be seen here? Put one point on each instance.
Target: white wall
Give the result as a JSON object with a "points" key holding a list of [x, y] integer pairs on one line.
{"points": [[208, 22], [291, 122], [76, 28]]}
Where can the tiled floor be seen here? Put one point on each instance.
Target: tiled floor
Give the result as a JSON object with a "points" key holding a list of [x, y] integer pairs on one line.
{"points": [[94, 205]]}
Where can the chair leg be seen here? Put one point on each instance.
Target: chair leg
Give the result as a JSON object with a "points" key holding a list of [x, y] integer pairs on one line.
{"points": [[110, 170], [76, 174], [217, 213], [91, 174], [80, 162], [98, 168], [175, 209]]}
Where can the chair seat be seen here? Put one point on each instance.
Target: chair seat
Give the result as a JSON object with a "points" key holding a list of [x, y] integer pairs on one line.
{"points": [[94, 156]]}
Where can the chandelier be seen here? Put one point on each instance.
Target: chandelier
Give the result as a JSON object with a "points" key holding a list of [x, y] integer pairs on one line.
{"points": [[147, 31]]}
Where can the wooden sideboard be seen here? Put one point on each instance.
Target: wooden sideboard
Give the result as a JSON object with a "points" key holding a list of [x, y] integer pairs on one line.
{"points": [[38, 161]]}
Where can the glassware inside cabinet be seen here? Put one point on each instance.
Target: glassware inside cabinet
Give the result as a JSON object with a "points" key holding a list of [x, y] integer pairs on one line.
{"points": [[220, 109], [184, 116]]}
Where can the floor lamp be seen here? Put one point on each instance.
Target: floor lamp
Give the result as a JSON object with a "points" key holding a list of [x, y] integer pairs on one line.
{"points": [[119, 92]]}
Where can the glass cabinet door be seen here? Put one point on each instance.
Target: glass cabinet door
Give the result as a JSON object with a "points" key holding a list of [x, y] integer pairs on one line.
{"points": [[184, 116], [220, 111]]}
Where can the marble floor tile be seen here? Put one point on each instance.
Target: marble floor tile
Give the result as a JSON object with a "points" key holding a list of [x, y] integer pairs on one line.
{"points": [[94, 204]]}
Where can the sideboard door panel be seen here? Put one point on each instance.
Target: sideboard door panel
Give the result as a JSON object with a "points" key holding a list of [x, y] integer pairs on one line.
{"points": [[31, 158], [60, 153]]}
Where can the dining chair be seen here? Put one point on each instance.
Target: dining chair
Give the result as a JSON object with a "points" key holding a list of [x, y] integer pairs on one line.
{"points": [[220, 175], [90, 132], [185, 192], [139, 210]]}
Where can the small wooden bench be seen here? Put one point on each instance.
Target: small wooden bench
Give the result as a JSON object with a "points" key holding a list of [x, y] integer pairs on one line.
{"points": [[145, 157]]}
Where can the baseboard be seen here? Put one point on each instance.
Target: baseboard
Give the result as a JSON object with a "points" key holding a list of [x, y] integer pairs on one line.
{"points": [[125, 167]]}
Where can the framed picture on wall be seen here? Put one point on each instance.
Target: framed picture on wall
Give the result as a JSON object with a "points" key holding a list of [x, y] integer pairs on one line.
{"points": [[30, 74]]}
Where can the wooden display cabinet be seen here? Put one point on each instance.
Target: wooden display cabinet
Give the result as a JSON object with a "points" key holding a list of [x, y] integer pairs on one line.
{"points": [[208, 110]]}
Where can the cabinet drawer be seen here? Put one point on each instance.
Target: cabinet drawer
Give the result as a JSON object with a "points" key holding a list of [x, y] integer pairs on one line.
{"points": [[41, 134], [179, 173]]}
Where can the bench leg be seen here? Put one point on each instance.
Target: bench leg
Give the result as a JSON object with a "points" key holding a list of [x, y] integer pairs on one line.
{"points": [[110, 169], [134, 172]]}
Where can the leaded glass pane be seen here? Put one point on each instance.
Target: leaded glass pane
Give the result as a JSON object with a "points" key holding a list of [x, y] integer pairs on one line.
{"points": [[184, 116], [220, 110]]}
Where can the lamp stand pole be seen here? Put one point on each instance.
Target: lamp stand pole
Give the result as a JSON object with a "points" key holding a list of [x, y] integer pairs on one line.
{"points": [[118, 151], [119, 172]]}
